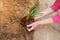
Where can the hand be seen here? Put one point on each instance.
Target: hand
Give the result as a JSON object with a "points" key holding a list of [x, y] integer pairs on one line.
{"points": [[32, 26], [36, 18], [39, 16]]}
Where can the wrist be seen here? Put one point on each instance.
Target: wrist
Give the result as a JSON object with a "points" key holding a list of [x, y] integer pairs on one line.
{"points": [[38, 22]]}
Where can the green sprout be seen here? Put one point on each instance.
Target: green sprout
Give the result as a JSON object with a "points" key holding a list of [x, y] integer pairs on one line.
{"points": [[34, 9]]}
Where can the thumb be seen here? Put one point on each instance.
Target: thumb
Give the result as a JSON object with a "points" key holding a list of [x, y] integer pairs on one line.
{"points": [[29, 25], [30, 29]]}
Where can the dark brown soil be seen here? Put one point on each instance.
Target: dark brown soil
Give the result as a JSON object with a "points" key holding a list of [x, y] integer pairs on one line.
{"points": [[24, 22]]}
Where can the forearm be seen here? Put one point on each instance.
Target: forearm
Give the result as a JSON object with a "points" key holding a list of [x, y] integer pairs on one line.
{"points": [[46, 21], [46, 12]]}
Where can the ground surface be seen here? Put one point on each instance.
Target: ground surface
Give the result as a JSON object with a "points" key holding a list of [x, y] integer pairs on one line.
{"points": [[11, 11]]}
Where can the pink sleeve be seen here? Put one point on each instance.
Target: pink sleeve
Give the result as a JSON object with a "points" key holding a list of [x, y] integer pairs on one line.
{"points": [[56, 18], [56, 5]]}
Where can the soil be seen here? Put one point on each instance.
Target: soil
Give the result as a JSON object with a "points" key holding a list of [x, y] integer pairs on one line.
{"points": [[11, 13], [24, 22]]}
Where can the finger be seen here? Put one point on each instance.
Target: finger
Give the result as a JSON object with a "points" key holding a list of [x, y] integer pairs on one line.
{"points": [[36, 18], [30, 29], [29, 25]]}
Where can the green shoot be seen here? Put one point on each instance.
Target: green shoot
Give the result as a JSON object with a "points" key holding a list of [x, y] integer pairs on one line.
{"points": [[34, 9]]}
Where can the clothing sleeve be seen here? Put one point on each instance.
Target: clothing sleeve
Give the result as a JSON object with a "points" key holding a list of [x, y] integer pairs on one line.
{"points": [[56, 18], [56, 5]]}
